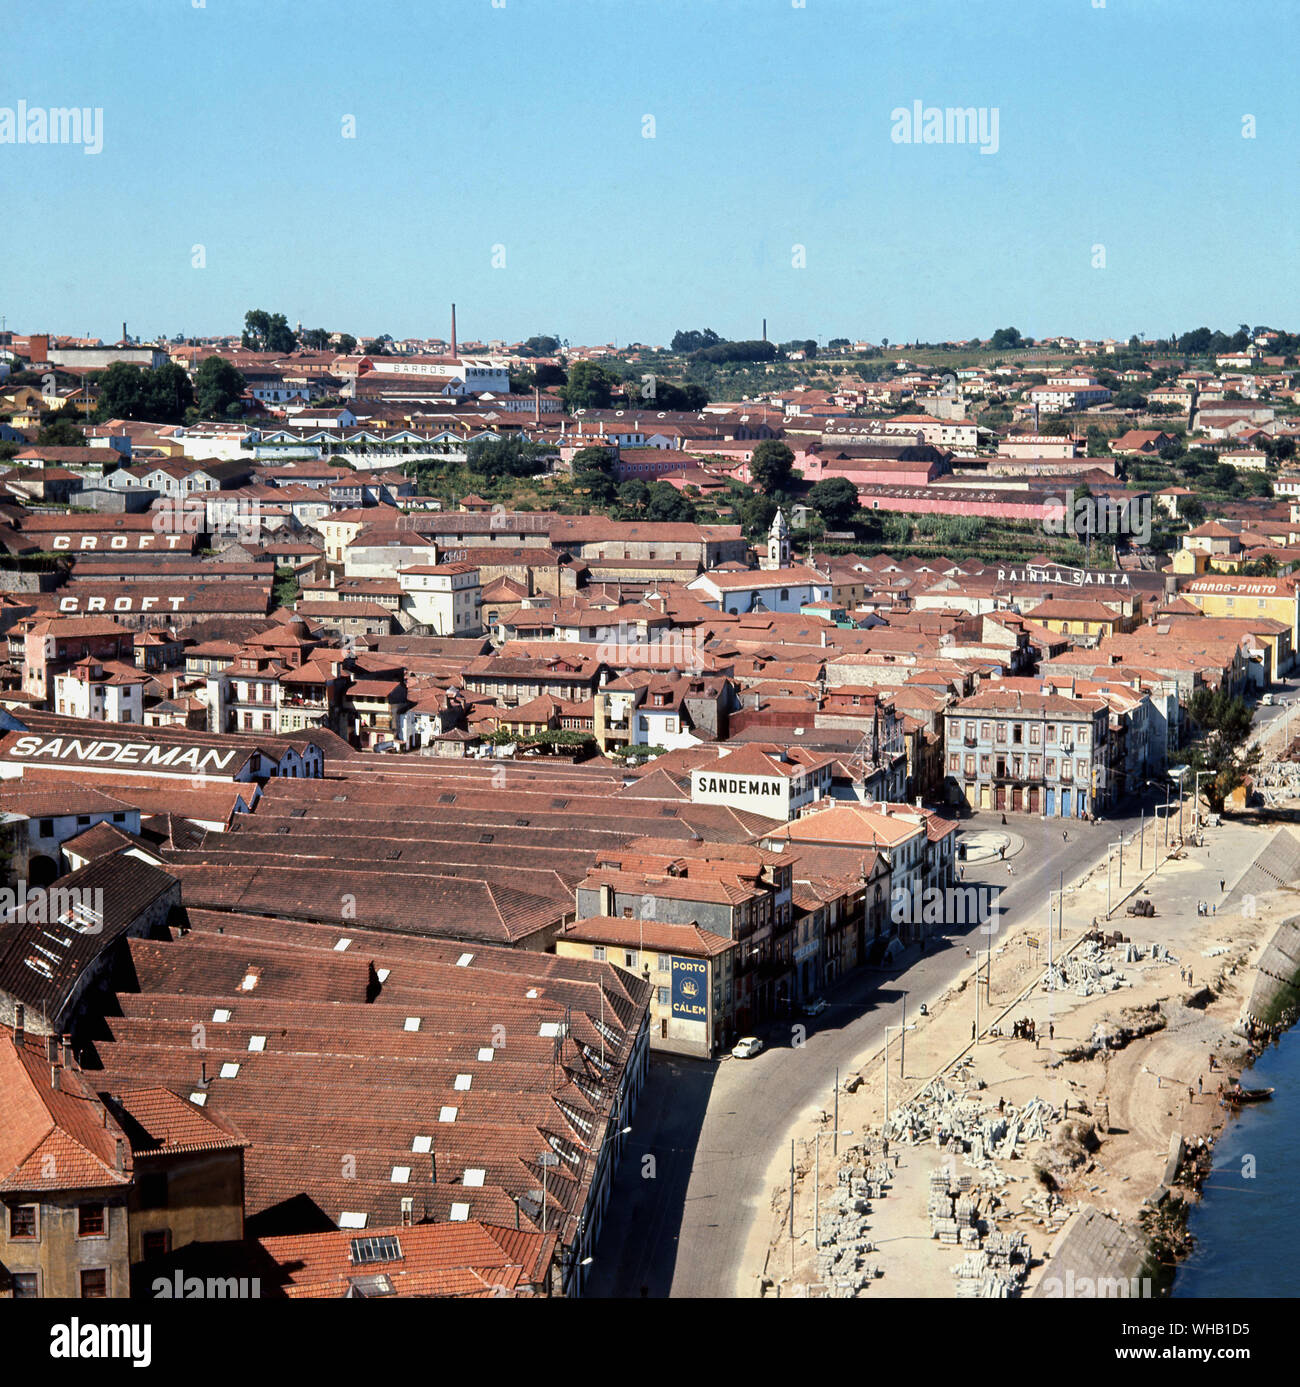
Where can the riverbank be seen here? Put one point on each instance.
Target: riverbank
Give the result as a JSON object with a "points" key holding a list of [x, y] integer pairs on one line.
{"points": [[1119, 1074]]}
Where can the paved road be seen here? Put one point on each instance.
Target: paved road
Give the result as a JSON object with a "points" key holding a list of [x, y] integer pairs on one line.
{"points": [[678, 1227]]}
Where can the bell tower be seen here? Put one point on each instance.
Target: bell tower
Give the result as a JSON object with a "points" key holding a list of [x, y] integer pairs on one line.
{"points": [[778, 543]]}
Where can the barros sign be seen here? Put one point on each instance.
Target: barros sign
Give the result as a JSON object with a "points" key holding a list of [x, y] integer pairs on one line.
{"points": [[1070, 577], [145, 756]]}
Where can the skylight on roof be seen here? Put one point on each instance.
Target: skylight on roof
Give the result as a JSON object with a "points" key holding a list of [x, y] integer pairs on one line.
{"points": [[382, 974], [222, 1014], [551, 1029], [532, 992], [342, 946], [412, 1023], [474, 1178], [256, 1043], [401, 1175], [459, 1213], [464, 960], [249, 983], [486, 1054], [447, 1114], [463, 1082], [198, 1098], [422, 1145], [229, 1069]]}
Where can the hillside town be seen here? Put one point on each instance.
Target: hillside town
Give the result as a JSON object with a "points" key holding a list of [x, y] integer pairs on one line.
{"points": [[406, 745]]}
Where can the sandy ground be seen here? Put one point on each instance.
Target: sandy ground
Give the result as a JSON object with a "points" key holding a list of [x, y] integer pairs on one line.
{"points": [[1150, 1087]]}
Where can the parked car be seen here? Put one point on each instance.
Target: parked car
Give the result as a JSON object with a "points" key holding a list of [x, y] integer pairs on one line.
{"points": [[746, 1048], [1267, 701], [815, 1007]]}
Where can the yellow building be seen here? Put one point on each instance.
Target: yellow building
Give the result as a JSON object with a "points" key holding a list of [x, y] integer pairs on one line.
{"points": [[689, 1008]]}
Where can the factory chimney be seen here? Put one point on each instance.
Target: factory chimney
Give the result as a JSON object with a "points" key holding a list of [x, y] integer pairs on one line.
{"points": [[453, 330], [764, 329]]}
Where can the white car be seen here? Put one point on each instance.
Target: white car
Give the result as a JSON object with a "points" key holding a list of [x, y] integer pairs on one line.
{"points": [[746, 1048], [815, 1007]]}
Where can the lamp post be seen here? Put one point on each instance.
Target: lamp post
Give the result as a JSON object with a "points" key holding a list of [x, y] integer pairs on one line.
{"points": [[546, 1160], [1196, 801], [887, 1031], [817, 1171], [1120, 841]]}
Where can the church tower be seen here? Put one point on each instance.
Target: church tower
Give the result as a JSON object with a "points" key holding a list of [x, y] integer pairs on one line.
{"points": [[778, 543]]}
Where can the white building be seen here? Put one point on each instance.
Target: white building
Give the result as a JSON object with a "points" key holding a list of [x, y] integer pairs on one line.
{"points": [[108, 691], [769, 782], [769, 590], [445, 597]]}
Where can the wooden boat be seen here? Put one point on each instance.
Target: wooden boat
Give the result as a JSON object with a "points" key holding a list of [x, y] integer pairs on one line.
{"points": [[1237, 1096]]}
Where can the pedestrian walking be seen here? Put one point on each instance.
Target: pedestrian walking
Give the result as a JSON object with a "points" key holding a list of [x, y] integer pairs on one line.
{"points": [[1189, 977], [1220, 884], [972, 1030], [1051, 1030], [1215, 911], [1200, 1085]]}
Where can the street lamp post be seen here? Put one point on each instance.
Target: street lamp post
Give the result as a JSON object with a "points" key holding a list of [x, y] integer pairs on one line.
{"points": [[1120, 841], [887, 1031], [817, 1171]]}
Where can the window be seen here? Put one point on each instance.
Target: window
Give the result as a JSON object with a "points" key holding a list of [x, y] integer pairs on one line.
{"points": [[1035, 735], [663, 996], [94, 1284], [47, 828], [26, 1285], [598, 953], [92, 1221], [1051, 732], [629, 958], [155, 1243], [664, 963], [23, 1221]]}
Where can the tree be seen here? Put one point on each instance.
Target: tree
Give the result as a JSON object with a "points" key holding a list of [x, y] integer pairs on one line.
{"points": [[267, 332], [59, 431], [770, 467], [668, 504], [1006, 337], [693, 341], [506, 457], [1224, 755], [540, 346], [347, 343], [668, 395], [377, 346], [835, 500], [161, 396], [1191, 509], [756, 513], [634, 495], [316, 338], [589, 386], [217, 386]]}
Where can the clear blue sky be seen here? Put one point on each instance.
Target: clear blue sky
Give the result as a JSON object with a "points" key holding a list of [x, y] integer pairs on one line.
{"points": [[521, 126]]}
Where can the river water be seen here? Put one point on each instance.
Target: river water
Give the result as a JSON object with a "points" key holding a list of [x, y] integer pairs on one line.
{"points": [[1247, 1226]]}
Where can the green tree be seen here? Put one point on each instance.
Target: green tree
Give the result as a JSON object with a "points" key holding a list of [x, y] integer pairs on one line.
{"points": [[693, 341], [59, 431], [217, 386], [668, 504], [634, 495], [1223, 753], [755, 513], [1004, 338], [589, 386], [835, 500], [316, 338], [1191, 509], [506, 457], [347, 343], [267, 332], [770, 467]]}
